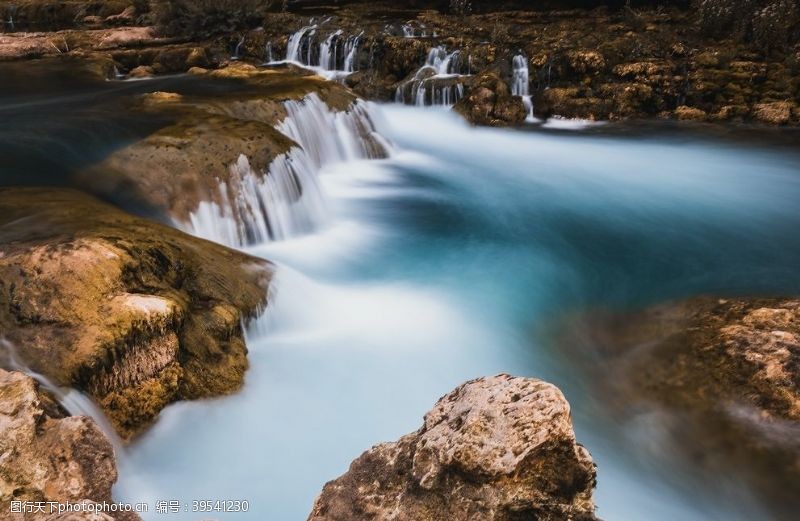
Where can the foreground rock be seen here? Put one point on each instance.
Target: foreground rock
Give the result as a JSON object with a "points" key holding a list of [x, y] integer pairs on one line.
{"points": [[134, 313], [724, 376], [499, 448], [48, 456]]}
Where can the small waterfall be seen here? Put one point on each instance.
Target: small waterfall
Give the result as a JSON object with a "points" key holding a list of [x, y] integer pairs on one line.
{"points": [[268, 55], [327, 51], [334, 54], [351, 53], [74, 402], [287, 201], [299, 40], [238, 48], [520, 84], [254, 208], [437, 82]]}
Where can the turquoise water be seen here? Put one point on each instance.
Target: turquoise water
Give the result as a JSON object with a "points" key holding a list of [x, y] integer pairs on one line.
{"points": [[451, 260]]}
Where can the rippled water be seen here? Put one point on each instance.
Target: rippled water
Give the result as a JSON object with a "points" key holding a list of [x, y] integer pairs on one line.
{"points": [[451, 260]]}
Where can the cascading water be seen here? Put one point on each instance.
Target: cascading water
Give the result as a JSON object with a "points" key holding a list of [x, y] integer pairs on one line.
{"points": [[437, 82], [520, 84], [335, 54], [238, 48], [287, 201]]}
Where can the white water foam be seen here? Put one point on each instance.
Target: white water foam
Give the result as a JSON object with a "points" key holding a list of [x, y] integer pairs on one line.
{"points": [[436, 82], [286, 201]]}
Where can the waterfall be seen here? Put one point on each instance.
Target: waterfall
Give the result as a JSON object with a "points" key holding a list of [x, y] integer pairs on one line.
{"points": [[436, 82], [268, 53], [335, 53], [236, 54], [287, 201], [297, 41], [254, 208], [520, 84], [351, 53], [74, 402]]}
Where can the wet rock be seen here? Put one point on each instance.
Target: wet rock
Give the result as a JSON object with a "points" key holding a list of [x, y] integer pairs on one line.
{"points": [[489, 102], [49, 456], [723, 378], [134, 313], [685, 113], [142, 71], [775, 113], [499, 448], [182, 164]]}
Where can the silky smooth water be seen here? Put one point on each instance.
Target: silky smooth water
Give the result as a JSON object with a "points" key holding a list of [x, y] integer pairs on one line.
{"points": [[451, 260]]}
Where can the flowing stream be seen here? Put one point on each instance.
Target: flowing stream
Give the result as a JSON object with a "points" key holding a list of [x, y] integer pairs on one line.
{"points": [[450, 260]]}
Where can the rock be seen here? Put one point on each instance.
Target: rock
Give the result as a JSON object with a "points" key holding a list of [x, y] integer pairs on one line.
{"points": [[723, 377], [775, 113], [489, 102], [499, 448], [685, 113], [211, 140], [134, 313], [49, 456], [142, 71], [126, 17]]}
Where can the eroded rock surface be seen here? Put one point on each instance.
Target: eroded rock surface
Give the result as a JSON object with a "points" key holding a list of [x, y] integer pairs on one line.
{"points": [[48, 456], [134, 313], [723, 378], [497, 448], [199, 157]]}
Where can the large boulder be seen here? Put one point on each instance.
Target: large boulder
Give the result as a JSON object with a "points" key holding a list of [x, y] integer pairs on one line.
{"points": [[132, 312], [500, 448], [722, 379], [48, 456]]}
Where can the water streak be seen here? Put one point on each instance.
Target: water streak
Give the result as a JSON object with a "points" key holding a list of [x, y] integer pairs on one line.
{"points": [[520, 84]]}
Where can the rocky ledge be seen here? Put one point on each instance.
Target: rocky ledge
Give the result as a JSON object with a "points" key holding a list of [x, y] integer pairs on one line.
{"points": [[48, 456], [723, 375], [500, 448], [133, 313]]}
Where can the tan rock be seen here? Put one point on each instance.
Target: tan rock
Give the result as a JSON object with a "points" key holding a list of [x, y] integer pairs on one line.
{"points": [[775, 113], [685, 113], [122, 308], [143, 71], [499, 448], [48, 456]]}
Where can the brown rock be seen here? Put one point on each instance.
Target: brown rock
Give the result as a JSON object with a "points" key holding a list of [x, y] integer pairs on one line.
{"points": [[724, 377], [48, 456], [177, 167], [142, 71], [775, 113], [499, 448], [685, 113], [489, 102], [122, 308]]}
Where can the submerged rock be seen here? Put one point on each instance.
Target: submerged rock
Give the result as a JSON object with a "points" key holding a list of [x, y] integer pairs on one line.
{"points": [[134, 313], [49, 456], [499, 448], [722, 378]]}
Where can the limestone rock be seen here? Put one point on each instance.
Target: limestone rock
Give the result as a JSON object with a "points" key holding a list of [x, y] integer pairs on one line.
{"points": [[48, 456], [490, 102], [500, 448], [132, 312]]}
